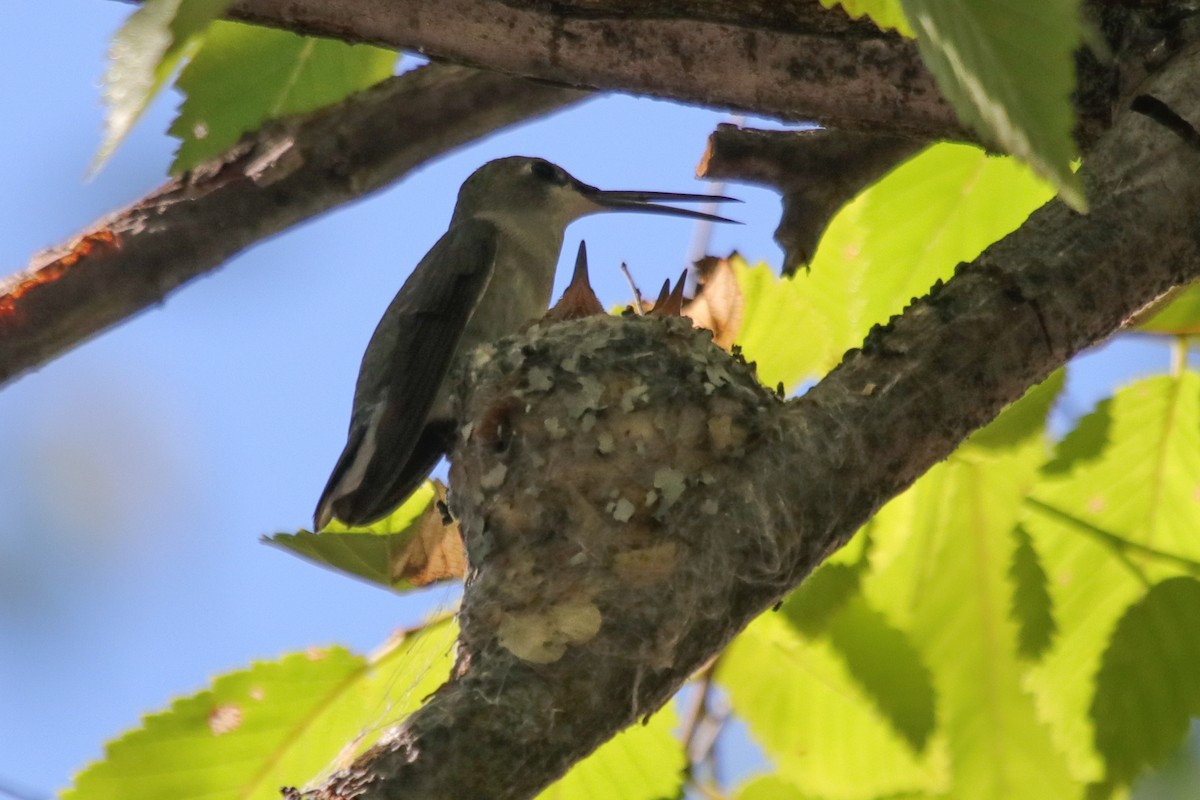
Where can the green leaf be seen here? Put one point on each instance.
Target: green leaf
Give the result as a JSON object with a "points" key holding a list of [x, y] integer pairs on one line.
{"points": [[771, 787], [1149, 680], [398, 552], [1032, 606], [887, 14], [1008, 68], [1112, 514], [145, 52], [1024, 419], [244, 75], [812, 606], [879, 657], [290, 722], [940, 569], [811, 716], [916, 225], [1087, 442], [643, 762], [277, 723], [1180, 316], [886, 665]]}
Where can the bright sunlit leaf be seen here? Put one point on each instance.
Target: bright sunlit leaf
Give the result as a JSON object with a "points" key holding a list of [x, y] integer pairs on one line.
{"points": [[1179, 316], [880, 658], [1008, 68], [244, 75], [888, 668], [822, 730], [1115, 512], [276, 723], [643, 762], [940, 567], [771, 787], [938, 209], [823, 594], [887, 14]]}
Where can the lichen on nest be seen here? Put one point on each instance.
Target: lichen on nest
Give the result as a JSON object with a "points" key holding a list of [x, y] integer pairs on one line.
{"points": [[594, 481]]}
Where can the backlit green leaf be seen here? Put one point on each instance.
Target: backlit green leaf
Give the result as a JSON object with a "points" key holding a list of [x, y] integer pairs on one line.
{"points": [[812, 717], [1008, 68], [940, 569], [771, 787], [643, 762], [916, 225], [886, 665], [1024, 420], [1180, 316], [1032, 605], [813, 605], [244, 75], [887, 14], [277, 723], [144, 53], [880, 658], [1113, 513], [1149, 680]]}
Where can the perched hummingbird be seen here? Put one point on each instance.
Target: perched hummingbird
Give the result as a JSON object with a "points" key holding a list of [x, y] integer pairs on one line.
{"points": [[490, 273]]}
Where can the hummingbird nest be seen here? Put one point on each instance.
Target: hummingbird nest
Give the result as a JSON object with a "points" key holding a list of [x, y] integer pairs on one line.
{"points": [[595, 482]]}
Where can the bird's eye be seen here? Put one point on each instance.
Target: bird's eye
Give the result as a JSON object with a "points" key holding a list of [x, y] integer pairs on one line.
{"points": [[546, 171]]}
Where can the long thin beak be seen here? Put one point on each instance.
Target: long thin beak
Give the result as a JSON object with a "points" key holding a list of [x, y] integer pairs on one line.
{"points": [[645, 201]]}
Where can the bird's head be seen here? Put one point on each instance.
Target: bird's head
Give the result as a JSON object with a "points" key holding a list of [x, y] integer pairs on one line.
{"points": [[523, 187]]}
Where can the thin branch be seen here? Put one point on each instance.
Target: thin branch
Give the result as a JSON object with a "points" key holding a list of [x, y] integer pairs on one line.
{"points": [[697, 712], [285, 173], [702, 730]]}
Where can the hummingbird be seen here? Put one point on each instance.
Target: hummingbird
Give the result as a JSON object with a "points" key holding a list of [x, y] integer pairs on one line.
{"points": [[489, 275]]}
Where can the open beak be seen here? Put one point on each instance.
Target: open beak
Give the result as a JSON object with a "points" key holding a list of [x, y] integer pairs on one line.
{"points": [[645, 201]]}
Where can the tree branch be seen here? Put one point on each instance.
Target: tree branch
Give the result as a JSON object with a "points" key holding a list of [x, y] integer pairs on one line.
{"points": [[792, 60], [738, 54], [816, 171], [285, 173], [625, 523]]}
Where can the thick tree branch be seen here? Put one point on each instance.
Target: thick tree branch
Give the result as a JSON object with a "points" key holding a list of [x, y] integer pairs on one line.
{"points": [[630, 498], [792, 60], [287, 172]]}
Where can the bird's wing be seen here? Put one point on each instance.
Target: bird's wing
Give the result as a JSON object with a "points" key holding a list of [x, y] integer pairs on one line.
{"points": [[402, 372]]}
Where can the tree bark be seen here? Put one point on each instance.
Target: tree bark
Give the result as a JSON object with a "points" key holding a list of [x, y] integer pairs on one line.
{"points": [[740, 54], [816, 171], [792, 60], [589, 602], [287, 172]]}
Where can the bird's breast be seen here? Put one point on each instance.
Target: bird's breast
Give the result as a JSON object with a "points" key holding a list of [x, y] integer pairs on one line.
{"points": [[518, 292]]}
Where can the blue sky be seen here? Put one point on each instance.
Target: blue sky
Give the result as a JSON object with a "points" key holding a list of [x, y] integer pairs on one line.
{"points": [[138, 471]]}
